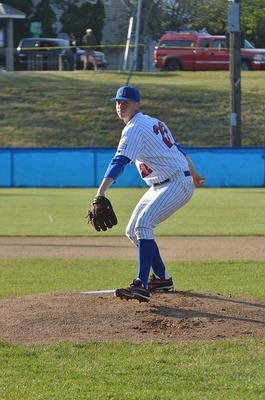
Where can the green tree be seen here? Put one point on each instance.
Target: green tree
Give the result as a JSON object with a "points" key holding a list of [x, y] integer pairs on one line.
{"points": [[63, 4], [47, 17], [204, 14], [77, 19], [213, 15], [70, 21], [253, 21], [177, 15], [21, 27]]}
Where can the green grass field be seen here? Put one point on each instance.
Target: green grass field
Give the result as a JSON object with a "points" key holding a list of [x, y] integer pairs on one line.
{"points": [[228, 369], [73, 108], [61, 212], [204, 370], [22, 277], [231, 370]]}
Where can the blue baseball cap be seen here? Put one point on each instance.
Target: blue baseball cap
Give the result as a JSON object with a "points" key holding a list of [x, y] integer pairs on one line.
{"points": [[127, 93]]}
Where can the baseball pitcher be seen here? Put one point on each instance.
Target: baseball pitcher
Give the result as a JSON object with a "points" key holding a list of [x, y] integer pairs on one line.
{"points": [[171, 176]]}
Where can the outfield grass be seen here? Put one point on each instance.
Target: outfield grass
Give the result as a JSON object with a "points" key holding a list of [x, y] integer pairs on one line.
{"points": [[61, 212], [73, 108], [224, 370]]}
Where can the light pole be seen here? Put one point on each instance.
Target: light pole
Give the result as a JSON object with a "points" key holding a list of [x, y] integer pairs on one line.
{"points": [[137, 32], [128, 42], [235, 70]]}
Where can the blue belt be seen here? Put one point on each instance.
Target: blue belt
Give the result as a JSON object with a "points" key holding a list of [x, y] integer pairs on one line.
{"points": [[186, 173]]}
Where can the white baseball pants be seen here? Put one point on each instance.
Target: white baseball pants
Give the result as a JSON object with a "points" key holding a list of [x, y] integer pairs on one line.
{"points": [[157, 204]]}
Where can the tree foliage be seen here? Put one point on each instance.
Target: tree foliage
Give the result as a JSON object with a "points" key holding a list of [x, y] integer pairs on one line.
{"points": [[44, 14], [212, 15], [70, 21], [63, 4], [253, 21], [159, 16], [76, 19]]}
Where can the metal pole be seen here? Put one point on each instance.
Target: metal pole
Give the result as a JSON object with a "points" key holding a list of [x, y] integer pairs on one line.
{"points": [[235, 71], [128, 42], [137, 32], [10, 45]]}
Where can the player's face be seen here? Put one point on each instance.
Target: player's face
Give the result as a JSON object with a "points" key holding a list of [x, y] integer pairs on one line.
{"points": [[126, 109]]}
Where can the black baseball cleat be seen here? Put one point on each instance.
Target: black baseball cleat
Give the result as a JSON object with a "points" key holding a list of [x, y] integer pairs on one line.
{"points": [[135, 291], [160, 285]]}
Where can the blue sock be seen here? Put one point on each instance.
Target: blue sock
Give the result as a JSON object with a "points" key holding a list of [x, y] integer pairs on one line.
{"points": [[146, 249], [157, 264]]}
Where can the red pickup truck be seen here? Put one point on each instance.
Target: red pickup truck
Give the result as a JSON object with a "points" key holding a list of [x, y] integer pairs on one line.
{"points": [[191, 51]]}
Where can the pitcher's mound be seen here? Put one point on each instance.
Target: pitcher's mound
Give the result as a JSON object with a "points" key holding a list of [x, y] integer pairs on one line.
{"points": [[172, 316]]}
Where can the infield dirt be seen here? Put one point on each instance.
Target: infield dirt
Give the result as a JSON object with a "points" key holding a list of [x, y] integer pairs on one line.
{"points": [[113, 248]]}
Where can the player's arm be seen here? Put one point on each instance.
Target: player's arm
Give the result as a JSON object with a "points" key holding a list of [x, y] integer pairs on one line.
{"points": [[114, 170], [105, 184], [198, 180]]}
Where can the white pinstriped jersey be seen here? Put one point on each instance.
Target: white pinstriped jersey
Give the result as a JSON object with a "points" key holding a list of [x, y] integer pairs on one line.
{"points": [[149, 143]]}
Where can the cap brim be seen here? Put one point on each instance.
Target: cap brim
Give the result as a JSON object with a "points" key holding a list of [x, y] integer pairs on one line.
{"points": [[124, 99], [120, 98]]}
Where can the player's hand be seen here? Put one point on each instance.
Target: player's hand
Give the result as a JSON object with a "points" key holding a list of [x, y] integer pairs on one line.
{"points": [[198, 180], [101, 214]]}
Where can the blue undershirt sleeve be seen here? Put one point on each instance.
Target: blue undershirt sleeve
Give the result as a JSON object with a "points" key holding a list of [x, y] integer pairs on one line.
{"points": [[116, 167]]}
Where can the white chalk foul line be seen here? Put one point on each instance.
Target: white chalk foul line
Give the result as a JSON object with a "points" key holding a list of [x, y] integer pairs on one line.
{"points": [[98, 291]]}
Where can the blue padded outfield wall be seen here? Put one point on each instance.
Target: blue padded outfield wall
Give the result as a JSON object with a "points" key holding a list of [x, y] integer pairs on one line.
{"points": [[85, 167]]}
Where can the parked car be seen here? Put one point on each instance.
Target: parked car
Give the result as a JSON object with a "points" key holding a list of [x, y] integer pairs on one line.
{"points": [[51, 54], [44, 54], [202, 51], [101, 59]]}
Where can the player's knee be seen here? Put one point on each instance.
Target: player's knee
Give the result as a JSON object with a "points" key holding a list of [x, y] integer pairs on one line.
{"points": [[131, 235], [128, 231], [133, 239], [144, 233]]}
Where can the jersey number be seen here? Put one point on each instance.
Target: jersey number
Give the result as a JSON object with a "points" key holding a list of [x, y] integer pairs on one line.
{"points": [[160, 128]]}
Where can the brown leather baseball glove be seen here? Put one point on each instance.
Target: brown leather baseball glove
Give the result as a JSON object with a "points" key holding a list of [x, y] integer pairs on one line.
{"points": [[101, 214]]}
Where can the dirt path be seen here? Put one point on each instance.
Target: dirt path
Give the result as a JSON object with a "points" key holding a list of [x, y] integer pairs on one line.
{"points": [[172, 248]]}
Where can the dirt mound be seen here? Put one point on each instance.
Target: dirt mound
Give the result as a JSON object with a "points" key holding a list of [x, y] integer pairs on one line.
{"points": [[173, 316]]}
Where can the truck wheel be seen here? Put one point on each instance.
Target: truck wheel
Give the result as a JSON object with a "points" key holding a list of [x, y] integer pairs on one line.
{"points": [[173, 65], [245, 65]]}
